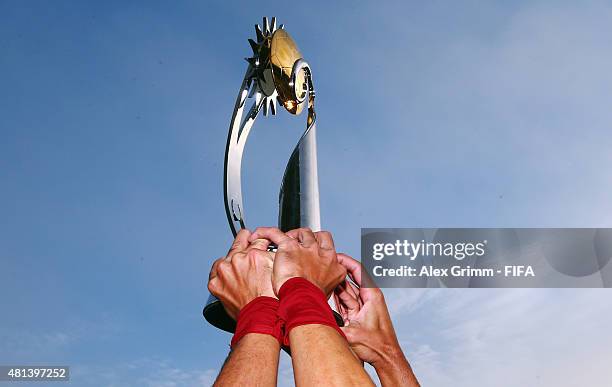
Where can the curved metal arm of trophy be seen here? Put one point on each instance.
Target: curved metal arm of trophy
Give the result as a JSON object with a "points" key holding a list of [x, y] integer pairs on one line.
{"points": [[236, 140], [258, 84], [276, 72]]}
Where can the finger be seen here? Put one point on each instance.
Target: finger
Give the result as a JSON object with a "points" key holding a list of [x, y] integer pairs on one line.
{"points": [[241, 241], [304, 235], [260, 257], [352, 266], [325, 240], [354, 291], [337, 303], [340, 308], [293, 233], [346, 297], [272, 234], [260, 244]]}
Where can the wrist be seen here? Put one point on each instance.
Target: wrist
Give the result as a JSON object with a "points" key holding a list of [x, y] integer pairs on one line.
{"points": [[246, 298], [303, 303], [393, 369], [389, 358], [258, 316], [279, 284]]}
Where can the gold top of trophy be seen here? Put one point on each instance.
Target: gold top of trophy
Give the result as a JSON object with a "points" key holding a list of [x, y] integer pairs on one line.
{"points": [[283, 55], [275, 55]]}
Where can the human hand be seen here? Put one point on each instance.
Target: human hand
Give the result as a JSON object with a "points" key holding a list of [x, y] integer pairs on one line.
{"points": [[302, 253], [368, 327], [243, 274], [367, 324]]}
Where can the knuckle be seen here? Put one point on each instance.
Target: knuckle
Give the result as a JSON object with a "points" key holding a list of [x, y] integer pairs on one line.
{"points": [[253, 255], [239, 260], [258, 243], [223, 267], [213, 286], [306, 229], [263, 229]]}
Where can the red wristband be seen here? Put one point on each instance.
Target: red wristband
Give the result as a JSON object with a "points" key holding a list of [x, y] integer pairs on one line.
{"points": [[303, 303], [258, 316]]}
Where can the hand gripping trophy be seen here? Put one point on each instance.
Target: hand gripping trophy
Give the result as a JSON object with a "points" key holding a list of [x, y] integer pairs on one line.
{"points": [[276, 73]]}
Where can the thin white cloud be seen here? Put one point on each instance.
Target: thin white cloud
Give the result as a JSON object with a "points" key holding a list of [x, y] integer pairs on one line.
{"points": [[147, 372], [509, 337]]}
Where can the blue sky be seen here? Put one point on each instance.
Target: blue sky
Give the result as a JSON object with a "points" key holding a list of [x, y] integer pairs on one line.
{"points": [[113, 121]]}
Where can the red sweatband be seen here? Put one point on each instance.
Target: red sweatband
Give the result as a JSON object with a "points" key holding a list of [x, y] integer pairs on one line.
{"points": [[258, 316], [303, 303]]}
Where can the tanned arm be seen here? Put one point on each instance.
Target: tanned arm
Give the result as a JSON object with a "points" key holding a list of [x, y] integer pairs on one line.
{"points": [[320, 355], [369, 329], [236, 280], [254, 362]]}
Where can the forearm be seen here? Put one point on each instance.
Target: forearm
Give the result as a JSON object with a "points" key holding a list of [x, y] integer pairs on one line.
{"points": [[253, 361], [394, 370], [321, 356]]}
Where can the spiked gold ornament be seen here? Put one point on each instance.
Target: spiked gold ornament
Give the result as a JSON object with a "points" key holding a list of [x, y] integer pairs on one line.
{"points": [[274, 55]]}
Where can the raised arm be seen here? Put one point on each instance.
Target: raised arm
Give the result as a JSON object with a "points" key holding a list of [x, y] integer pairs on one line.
{"points": [[369, 329], [242, 281], [306, 271]]}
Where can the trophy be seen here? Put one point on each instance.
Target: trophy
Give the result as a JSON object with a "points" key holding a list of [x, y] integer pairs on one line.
{"points": [[276, 73]]}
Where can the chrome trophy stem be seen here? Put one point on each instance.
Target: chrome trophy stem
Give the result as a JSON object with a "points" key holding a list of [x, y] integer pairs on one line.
{"points": [[299, 194]]}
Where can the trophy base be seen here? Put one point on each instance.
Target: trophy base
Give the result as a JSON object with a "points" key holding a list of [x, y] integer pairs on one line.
{"points": [[216, 316]]}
